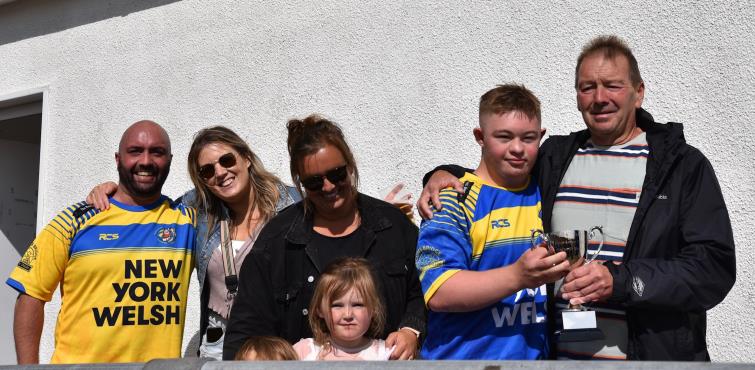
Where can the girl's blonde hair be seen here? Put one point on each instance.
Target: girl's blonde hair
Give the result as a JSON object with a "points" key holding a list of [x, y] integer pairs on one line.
{"points": [[267, 349], [264, 183], [338, 278]]}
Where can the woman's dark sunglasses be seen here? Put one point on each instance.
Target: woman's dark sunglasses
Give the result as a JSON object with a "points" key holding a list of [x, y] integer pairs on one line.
{"points": [[335, 176], [207, 171]]}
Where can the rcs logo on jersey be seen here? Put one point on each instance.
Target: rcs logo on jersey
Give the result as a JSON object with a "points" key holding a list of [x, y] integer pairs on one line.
{"points": [[497, 224], [166, 235], [108, 236]]}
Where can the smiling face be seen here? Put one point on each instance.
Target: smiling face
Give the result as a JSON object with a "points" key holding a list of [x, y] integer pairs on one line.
{"points": [[347, 319], [143, 161], [509, 143], [607, 99], [228, 184], [332, 199]]}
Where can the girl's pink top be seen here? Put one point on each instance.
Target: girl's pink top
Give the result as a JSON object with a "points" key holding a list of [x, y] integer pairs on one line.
{"points": [[375, 350]]}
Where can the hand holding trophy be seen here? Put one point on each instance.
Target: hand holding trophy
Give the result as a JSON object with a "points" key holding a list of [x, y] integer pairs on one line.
{"points": [[579, 323]]}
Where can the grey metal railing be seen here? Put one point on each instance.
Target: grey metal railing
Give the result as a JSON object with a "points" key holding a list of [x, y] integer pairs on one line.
{"points": [[194, 363]]}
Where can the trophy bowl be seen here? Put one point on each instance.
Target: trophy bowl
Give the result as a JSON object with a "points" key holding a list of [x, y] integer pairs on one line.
{"points": [[573, 242]]}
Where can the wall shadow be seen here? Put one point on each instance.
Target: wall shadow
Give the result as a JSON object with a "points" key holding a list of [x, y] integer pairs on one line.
{"points": [[25, 19], [193, 346]]}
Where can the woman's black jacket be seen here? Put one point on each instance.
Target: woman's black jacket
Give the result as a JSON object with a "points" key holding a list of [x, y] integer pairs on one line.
{"points": [[278, 276]]}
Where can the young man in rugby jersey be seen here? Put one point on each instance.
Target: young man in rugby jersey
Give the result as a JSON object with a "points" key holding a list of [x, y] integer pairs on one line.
{"points": [[123, 272], [481, 280], [669, 255]]}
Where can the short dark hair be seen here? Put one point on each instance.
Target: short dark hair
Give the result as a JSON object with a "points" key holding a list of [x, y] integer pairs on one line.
{"points": [[509, 98], [609, 46]]}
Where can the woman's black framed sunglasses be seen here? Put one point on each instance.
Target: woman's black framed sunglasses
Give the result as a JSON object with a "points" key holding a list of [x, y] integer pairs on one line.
{"points": [[335, 176], [207, 171]]}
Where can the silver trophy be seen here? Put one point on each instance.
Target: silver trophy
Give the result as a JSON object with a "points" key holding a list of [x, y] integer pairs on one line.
{"points": [[578, 322]]}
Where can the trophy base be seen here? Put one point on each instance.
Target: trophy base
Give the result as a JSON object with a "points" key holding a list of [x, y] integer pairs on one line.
{"points": [[577, 318], [579, 325], [580, 335]]}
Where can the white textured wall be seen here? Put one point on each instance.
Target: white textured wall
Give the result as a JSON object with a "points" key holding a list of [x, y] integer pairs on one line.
{"points": [[403, 80]]}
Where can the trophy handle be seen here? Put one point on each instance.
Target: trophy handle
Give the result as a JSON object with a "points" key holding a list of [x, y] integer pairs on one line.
{"points": [[534, 235], [602, 239]]}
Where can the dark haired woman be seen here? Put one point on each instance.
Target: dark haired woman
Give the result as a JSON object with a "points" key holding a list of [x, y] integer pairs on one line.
{"points": [[334, 220]]}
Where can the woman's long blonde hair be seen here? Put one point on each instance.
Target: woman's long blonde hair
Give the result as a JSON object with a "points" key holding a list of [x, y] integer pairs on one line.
{"points": [[264, 183]]}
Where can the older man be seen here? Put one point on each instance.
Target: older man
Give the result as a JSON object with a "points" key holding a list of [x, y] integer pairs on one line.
{"points": [[123, 271], [668, 255]]}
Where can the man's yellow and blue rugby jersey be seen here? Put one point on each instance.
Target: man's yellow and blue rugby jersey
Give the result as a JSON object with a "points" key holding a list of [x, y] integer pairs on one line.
{"points": [[488, 228], [124, 275]]}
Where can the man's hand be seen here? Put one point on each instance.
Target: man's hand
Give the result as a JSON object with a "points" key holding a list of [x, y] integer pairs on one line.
{"points": [[28, 319], [98, 197], [587, 283], [405, 342], [431, 192], [535, 267]]}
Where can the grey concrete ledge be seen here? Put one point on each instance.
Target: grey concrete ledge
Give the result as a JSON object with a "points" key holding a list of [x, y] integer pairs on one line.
{"points": [[194, 363], [475, 365]]}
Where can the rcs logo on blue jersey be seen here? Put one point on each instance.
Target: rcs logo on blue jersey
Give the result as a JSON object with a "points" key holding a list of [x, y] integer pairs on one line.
{"points": [[497, 224], [108, 237]]}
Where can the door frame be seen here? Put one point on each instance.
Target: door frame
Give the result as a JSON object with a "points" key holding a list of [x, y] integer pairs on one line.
{"points": [[21, 97]]}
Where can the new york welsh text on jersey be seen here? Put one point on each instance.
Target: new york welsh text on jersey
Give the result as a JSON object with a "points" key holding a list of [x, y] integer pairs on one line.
{"points": [[153, 295]]}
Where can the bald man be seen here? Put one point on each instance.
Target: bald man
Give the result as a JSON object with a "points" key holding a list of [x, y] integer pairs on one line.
{"points": [[123, 271]]}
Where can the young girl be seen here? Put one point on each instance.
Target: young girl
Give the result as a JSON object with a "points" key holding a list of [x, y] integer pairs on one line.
{"points": [[345, 315]]}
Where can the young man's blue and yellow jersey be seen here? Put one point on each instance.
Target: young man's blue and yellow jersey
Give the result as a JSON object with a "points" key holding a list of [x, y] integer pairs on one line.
{"points": [[124, 275], [487, 229]]}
